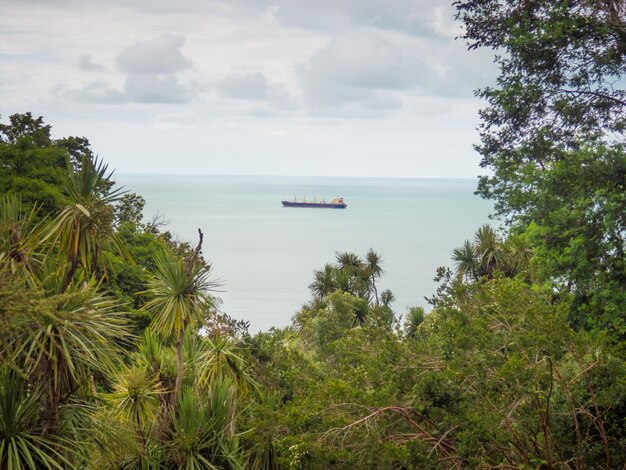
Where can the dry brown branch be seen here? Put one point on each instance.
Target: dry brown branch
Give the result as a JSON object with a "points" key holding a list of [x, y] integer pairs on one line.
{"points": [[191, 261], [438, 444]]}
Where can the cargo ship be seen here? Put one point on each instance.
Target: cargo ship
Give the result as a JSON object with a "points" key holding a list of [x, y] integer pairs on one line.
{"points": [[336, 203]]}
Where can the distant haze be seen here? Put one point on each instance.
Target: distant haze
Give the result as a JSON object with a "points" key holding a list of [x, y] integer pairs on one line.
{"points": [[285, 87]]}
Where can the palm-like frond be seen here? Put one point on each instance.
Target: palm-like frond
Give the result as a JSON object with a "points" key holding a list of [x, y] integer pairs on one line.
{"points": [[488, 249], [344, 281], [77, 231], [113, 448], [149, 353], [387, 297], [465, 259], [349, 261], [21, 443], [200, 439], [60, 340], [361, 312], [222, 360], [374, 263], [135, 398], [324, 281], [92, 183], [374, 270], [178, 300], [18, 234], [518, 253]]}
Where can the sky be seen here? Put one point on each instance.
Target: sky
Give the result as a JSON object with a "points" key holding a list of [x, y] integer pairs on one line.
{"points": [[250, 87]]}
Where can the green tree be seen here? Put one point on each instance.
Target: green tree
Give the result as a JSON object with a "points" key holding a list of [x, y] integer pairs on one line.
{"points": [[552, 135], [35, 173], [374, 270], [18, 235], [77, 148], [483, 256], [180, 299], [129, 209], [558, 90], [22, 445], [25, 125], [81, 227], [351, 274]]}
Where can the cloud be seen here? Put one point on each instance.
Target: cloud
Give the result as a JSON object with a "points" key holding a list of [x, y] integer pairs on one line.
{"points": [[86, 63], [158, 56], [360, 70], [411, 17], [375, 72], [97, 92], [250, 86], [155, 89], [151, 74], [137, 89], [257, 96]]}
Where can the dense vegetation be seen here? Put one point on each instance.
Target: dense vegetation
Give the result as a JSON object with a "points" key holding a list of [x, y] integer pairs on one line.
{"points": [[114, 353]]}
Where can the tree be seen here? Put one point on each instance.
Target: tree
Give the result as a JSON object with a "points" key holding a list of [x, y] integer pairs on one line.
{"points": [[483, 256], [558, 89], [351, 274], [374, 270], [465, 259], [180, 298], [35, 173], [77, 148], [21, 444], [414, 319], [18, 234], [25, 125], [552, 134], [82, 225], [129, 209], [324, 281]]}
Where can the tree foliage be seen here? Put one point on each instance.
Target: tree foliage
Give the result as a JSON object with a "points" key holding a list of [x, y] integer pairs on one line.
{"points": [[552, 134], [114, 353]]}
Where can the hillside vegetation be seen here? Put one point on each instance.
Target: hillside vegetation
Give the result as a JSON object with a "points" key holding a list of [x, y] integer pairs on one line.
{"points": [[115, 354]]}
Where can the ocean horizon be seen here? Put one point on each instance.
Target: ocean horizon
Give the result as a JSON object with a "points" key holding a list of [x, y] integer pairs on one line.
{"points": [[265, 255]]}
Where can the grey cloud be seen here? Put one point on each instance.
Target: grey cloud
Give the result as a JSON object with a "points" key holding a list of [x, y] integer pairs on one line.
{"points": [[244, 86], [372, 72], [151, 69], [453, 72], [160, 55], [280, 97], [414, 17], [97, 92], [155, 89], [86, 63], [270, 99], [137, 89], [359, 70]]}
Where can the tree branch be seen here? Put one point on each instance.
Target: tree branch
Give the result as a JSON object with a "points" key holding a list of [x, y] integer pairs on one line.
{"points": [[192, 259], [593, 93]]}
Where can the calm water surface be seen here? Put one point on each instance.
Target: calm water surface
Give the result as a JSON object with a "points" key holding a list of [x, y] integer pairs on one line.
{"points": [[265, 254]]}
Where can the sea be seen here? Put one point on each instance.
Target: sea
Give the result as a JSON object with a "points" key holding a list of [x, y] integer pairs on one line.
{"points": [[265, 255]]}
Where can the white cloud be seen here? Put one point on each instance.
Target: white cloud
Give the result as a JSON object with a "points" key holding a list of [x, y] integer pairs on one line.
{"points": [[317, 70], [360, 71], [151, 68], [160, 55]]}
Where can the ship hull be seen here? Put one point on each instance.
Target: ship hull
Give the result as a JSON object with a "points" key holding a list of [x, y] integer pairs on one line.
{"points": [[314, 205]]}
